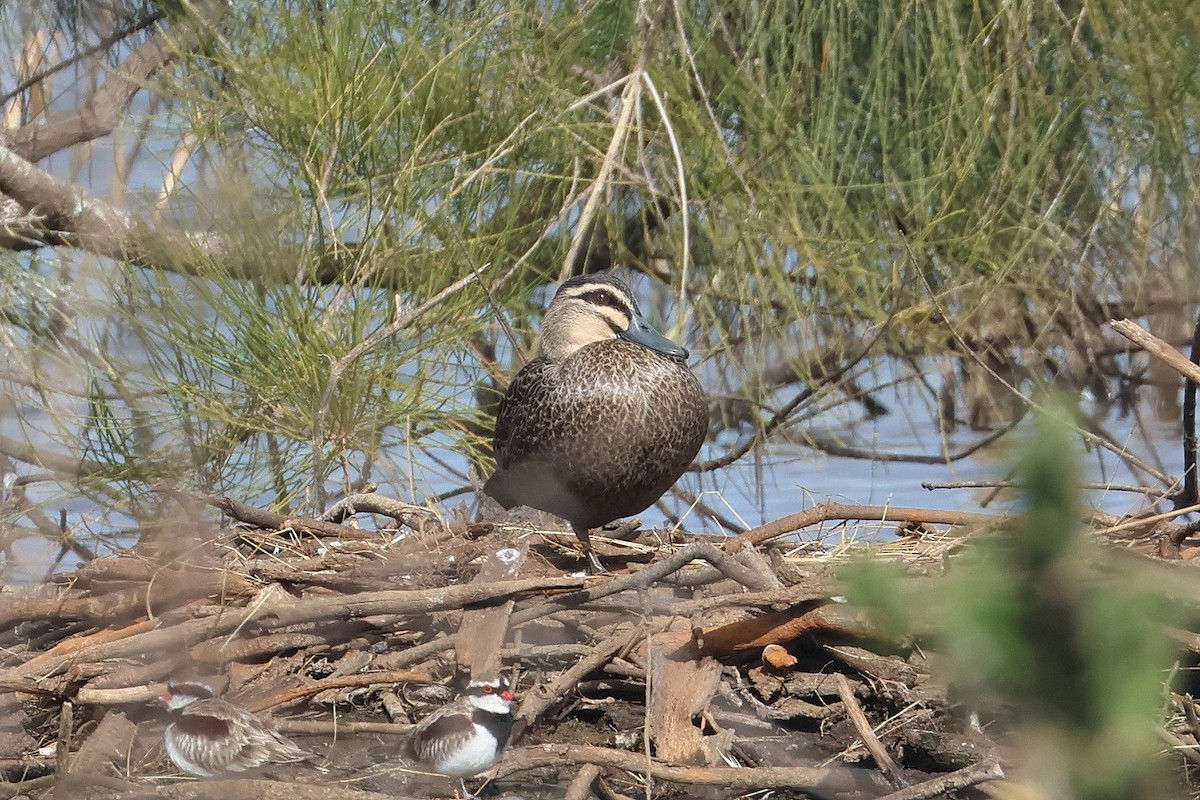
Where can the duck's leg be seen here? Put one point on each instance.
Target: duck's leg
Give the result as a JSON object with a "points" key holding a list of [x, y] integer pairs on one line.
{"points": [[594, 565]]}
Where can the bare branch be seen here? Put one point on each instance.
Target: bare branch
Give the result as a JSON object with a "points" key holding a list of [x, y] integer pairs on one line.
{"points": [[59, 463], [103, 110], [71, 215], [99, 47]]}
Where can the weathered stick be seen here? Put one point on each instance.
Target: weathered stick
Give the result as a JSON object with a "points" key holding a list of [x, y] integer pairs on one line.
{"points": [[867, 734], [66, 729], [986, 770], [1164, 351], [746, 778], [274, 521], [535, 705], [372, 503], [843, 511], [128, 695], [340, 682], [580, 787], [316, 727]]}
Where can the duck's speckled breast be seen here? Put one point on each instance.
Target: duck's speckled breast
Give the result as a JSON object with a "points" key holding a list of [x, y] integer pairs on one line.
{"points": [[599, 435]]}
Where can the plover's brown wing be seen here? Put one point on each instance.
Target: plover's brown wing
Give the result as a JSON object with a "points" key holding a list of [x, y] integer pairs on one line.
{"points": [[201, 744], [442, 732], [264, 744], [238, 740]]}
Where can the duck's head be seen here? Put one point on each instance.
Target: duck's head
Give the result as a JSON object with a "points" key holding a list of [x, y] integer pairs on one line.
{"points": [[593, 308]]}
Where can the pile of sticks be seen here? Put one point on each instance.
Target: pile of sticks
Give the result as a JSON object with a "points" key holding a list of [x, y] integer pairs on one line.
{"points": [[695, 662]]}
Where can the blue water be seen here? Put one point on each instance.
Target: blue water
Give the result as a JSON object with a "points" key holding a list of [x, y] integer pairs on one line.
{"points": [[780, 478]]}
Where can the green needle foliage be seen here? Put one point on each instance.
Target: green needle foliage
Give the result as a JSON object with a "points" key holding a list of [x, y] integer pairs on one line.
{"points": [[1071, 658], [827, 200]]}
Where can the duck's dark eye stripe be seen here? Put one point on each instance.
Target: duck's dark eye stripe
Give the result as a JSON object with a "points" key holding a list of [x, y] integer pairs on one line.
{"points": [[603, 297]]}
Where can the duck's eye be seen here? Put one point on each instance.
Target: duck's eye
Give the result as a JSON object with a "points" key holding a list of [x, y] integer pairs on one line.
{"points": [[599, 297]]}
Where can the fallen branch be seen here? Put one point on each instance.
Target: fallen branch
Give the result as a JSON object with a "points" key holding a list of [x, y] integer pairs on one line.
{"points": [[339, 682], [580, 787], [823, 779], [537, 704], [1163, 351], [274, 521], [841, 511], [372, 503], [866, 733], [338, 727], [779, 627], [986, 770]]}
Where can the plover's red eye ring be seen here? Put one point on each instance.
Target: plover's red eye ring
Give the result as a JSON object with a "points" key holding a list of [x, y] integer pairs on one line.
{"points": [[488, 689]]}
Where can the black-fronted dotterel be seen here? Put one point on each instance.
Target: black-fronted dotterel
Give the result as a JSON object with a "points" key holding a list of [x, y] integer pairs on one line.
{"points": [[466, 736], [209, 737]]}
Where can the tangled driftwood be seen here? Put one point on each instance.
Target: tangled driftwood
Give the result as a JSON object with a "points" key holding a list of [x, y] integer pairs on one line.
{"points": [[711, 663]]}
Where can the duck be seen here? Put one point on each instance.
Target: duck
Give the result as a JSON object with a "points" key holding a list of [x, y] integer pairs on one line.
{"points": [[210, 737], [467, 735], [604, 420]]}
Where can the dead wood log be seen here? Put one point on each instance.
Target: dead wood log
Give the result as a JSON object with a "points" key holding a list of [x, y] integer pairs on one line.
{"points": [[780, 627], [24, 787], [271, 611], [402, 601], [792, 595], [25, 687], [168, 589], [138, 674], [885, 668], [814, 779], [76, 648], [222, 652], [482, 632], [949, 750], [15, 740], [681, 683], [92, 764]]}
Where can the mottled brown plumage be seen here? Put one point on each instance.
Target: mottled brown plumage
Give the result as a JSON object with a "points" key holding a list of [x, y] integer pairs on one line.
{"points": [[466, 736], [209, 737], [605, 420]]}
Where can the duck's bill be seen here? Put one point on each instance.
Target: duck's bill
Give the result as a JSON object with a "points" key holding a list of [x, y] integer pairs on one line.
{"points": [[640, 332]]}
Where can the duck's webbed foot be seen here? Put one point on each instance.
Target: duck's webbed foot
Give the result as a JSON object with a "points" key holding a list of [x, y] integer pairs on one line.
{"points": [[594, 565]]}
